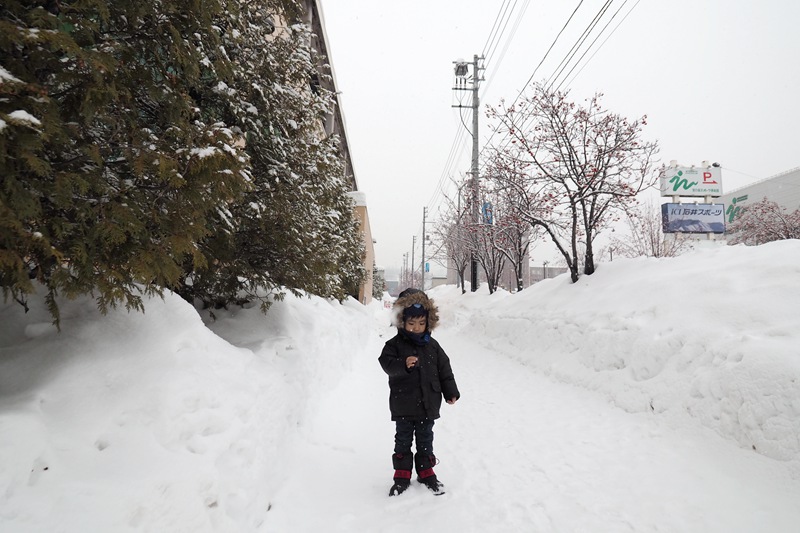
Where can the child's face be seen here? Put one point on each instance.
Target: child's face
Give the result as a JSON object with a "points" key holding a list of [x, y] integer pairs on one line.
{"points": [[416, 324]]}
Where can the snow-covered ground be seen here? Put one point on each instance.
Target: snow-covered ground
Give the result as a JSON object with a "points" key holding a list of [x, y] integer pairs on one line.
{"points": [[655, 395]]}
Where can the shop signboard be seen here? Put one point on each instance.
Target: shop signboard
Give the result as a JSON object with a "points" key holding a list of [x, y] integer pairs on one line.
{"points": [[691, 181], [693, 218]]}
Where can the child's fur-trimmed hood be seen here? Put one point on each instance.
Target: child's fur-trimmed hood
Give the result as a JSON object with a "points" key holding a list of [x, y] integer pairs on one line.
{"points": [[410, 297]]}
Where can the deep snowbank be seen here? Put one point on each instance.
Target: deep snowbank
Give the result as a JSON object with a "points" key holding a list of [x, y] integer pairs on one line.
{"points": [[154, 422], [712, 335]]}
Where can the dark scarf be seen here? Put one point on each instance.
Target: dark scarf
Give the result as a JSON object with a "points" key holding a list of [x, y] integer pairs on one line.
{"points": [[420, 339]]}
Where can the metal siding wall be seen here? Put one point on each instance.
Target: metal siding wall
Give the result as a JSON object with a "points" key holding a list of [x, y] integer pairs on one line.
{"points": [[783, 189]]}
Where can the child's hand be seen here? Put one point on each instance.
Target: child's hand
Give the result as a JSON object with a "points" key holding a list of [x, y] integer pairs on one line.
{"points": [[451, 401], [411, 361]]}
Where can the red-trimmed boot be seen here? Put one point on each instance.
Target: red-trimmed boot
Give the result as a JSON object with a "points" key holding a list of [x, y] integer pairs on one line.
{"points": [[425, 474], [402, 463]]}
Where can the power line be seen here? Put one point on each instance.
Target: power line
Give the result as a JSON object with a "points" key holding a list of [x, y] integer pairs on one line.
{"points": [[499, 28], [492, 32], [451, 159], [500, 35], [576, 47], [607, 38], [548, 51], [446, 171], [452, 156], [552, 45], [592, 44], [495, 37], [493, 42], [514, 29]]}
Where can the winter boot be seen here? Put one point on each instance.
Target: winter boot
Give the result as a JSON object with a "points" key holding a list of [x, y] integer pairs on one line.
{"points": [[424, 464], [402, 463]]}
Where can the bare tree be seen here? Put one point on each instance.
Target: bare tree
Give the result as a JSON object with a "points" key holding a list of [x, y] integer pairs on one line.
{"points": [[763, 222], [457, 241], [513, 234], [458, 247], [646, 238], [574, 168], [514, 243], [489, 254]]}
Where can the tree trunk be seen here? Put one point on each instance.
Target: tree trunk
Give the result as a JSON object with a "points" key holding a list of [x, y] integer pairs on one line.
{"points": [[588, 265]]}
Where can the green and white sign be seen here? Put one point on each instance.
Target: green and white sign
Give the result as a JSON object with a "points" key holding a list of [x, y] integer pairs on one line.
{"points": [[691, 181], [734, 208]]}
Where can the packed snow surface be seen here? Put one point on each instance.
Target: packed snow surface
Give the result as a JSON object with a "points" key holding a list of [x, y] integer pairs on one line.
{"points": [[655, 395]]}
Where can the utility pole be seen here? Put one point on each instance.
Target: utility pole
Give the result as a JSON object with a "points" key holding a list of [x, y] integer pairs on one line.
{"points": [[461, 72], [413, 245], [422, 269], [404, 273]]}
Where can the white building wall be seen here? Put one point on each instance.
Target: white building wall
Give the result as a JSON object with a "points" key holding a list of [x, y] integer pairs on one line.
{"points": [[783, 189]]}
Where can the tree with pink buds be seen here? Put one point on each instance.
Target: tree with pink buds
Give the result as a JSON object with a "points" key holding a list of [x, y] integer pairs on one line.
{"points": [[574, 168], [763, 222]]}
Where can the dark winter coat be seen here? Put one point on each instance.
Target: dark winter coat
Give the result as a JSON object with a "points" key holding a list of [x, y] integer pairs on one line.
{"points": [[416, 393]]}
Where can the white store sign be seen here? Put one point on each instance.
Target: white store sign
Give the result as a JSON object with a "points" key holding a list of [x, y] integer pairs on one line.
{"points": [[691, 181]]}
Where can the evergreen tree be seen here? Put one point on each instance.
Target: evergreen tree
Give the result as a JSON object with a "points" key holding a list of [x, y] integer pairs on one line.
{"points": [[109, 170], [295, 226], [159, 144], [378, 282]]}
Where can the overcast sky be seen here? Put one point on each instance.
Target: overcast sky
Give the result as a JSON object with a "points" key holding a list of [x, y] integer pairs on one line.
{"points": [[718, 79]]}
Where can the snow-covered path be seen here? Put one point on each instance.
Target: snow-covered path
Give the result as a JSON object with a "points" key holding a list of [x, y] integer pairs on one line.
{"points": [[522, 453]]}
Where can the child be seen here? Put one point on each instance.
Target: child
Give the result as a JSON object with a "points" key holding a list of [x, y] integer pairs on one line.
{"points": [[419, 376]]}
